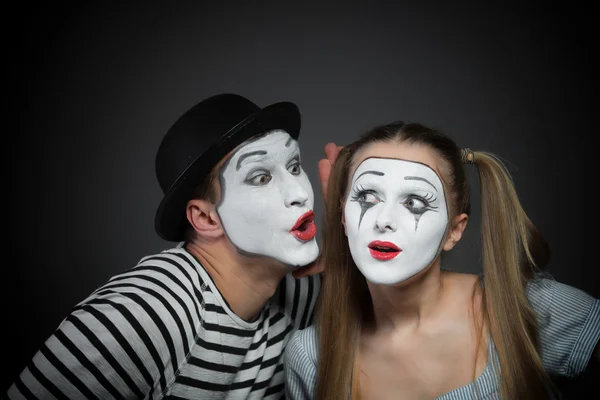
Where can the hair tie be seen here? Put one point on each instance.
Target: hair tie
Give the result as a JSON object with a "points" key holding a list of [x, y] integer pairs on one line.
{"points": [[467, 156]]}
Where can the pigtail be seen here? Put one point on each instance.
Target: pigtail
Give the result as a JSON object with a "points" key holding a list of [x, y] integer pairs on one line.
{"points": [[513, 250]]}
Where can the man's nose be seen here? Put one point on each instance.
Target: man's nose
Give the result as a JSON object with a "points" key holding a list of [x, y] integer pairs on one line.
{"points": [[294, 193]]}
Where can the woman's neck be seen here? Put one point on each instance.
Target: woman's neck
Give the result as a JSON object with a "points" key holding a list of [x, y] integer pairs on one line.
{"points": [[409, 303]]}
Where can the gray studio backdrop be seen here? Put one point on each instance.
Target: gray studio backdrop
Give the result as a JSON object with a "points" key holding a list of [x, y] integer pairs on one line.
{"points": [[104, 84]]}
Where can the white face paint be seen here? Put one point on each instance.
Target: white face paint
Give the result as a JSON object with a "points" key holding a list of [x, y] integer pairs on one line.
{"points": [[396, 218], [267, 201]]}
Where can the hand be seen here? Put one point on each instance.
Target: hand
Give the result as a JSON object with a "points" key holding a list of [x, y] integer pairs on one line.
{"points": [[316, 267], [326, 164]]}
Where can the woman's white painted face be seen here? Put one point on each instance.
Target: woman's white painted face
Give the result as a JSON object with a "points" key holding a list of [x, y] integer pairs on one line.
{"points": [[396, 218], [267, 201]]}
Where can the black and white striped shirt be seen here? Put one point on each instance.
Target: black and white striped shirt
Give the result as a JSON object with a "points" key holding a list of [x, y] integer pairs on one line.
{"points": [[163, 331]]}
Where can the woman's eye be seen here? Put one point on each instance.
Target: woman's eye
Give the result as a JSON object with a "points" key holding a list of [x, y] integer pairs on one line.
{"points": [[367, 197], [416, 205], [294, 169], [260, 180]]}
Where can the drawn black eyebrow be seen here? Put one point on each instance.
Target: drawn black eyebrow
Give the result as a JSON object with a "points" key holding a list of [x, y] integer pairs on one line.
{"points": [[418, 178], [244, 156], [370, 172]]}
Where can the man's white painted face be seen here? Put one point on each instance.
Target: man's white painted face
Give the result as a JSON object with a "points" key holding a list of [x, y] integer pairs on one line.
{"points": [[267, 201], [396, 218]]}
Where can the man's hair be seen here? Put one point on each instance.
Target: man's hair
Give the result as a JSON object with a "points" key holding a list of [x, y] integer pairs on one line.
{"points": [[207, 190]]}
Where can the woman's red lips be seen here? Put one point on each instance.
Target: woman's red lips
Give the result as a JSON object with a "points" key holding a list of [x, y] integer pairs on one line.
{"points": [[383, 250], [305, 229]]}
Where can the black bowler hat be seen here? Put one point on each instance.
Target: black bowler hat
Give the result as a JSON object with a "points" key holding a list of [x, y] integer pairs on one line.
{"points": [[199, 139]]}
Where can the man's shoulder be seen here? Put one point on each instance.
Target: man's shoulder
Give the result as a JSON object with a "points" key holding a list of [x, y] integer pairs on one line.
{"points": [[298, 298], [309, 286], [166, 277], [175, 254], [173, 262]]}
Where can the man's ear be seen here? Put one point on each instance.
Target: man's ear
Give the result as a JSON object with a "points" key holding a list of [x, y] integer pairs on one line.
{"points": [[202, 215], [457, 227]]}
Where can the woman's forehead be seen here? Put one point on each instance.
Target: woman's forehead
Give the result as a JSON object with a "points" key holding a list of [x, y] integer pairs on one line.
{"points": [[415, 152]]}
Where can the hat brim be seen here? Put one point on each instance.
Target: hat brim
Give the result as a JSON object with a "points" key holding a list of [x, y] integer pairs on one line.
{"points": [[170, 220]]}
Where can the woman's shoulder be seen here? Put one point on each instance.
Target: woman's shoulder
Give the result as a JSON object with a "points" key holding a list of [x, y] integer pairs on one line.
{"points": [[568, 322], [303, 345], [544, 291]]}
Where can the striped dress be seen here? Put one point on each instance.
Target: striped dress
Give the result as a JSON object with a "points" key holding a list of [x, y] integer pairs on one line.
{"points": [[569, 323], [163, 331]]}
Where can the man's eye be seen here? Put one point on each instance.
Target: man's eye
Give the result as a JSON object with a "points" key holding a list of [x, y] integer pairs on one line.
{"points": [[260, 180], [295, 169]]}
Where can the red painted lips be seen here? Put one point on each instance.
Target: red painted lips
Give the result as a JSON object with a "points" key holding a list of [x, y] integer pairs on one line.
{"points": [[383, 250], [305, 228]]}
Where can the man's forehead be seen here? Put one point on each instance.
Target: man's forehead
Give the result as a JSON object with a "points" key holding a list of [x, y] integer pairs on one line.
{"points": [[272, 139]]}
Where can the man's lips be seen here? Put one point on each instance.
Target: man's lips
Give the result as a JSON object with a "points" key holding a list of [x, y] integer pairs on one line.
{"points": [[305, 229], [383, 250]]}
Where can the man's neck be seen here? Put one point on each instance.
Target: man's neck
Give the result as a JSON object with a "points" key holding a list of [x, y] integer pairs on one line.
{"points": [[245, 283]]}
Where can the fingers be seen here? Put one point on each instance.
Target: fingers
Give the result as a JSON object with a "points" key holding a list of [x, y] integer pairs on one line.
{"points": [[331, 151], [301, 272], [324, 172], [326, 164], [311, 269]]}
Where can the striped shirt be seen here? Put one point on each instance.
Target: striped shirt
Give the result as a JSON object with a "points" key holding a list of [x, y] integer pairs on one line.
{"points": [[162, 330], [569, 327]]}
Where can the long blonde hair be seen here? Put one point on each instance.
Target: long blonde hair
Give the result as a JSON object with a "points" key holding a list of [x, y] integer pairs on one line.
{"points": [[512, 250]]}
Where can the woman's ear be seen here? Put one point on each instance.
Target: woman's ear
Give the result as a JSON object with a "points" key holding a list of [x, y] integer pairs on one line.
{"points": [[457, 227], [202, 215]]}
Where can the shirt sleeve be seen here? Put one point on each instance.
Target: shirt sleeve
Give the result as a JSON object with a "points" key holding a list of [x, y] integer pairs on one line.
{"points": [[300, 365], [125, 341], [569, 325]]}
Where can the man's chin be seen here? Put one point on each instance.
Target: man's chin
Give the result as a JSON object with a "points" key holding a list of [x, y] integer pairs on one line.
{"points": [[303, 259], [290, 259], [296, 265]]}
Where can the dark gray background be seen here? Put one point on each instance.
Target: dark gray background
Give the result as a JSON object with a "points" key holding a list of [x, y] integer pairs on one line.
{"points": [[99, 85]]}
